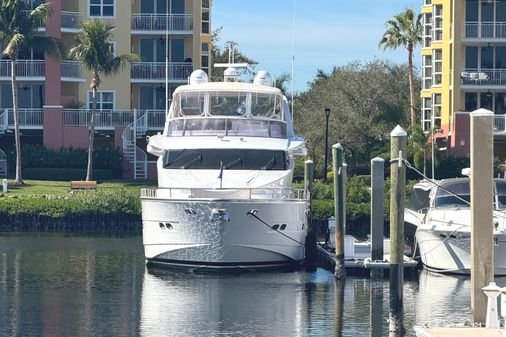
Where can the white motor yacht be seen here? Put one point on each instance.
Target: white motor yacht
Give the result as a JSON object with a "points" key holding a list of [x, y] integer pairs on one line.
{"points": [[441, 214], [225, 165]]}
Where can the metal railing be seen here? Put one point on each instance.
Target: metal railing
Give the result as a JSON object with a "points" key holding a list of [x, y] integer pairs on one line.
{"points": [[156, 71], [500, 124], [71, 69], [28, 117], [103, 118], [24, 68], [162, 22], [71, 20], [483, 77], [226, 193], [495, 30], [112, 118]]}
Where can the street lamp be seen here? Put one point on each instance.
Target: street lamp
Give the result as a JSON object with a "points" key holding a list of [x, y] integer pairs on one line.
{"points": [[327, 115]]}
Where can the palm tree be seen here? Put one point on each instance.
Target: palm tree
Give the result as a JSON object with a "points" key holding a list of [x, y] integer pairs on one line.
{"points": [[18, 28], [282, 81], [94, 48], [405, 30]]}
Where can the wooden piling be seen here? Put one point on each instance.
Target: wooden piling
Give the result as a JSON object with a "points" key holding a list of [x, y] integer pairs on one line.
{"points": [[339, 196], [311, 251], [397, 195], [482, 243], [377, 212]]}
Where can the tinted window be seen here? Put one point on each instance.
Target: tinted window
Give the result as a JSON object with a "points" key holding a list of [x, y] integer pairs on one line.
{"points": [[229, 159], [472, 10]]}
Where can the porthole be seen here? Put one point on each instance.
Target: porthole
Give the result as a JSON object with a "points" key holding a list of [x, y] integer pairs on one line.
{"points": [[283, 226]]}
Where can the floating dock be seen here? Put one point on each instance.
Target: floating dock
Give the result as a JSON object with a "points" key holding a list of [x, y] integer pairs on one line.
{"points": [[357, 257], [457, 332]]}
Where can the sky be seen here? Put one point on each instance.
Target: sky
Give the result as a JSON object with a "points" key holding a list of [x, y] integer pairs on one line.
{"points": [[327, 33]]}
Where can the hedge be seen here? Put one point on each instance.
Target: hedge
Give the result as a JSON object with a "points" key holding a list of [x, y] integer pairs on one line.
{"points": [[64, 174]]}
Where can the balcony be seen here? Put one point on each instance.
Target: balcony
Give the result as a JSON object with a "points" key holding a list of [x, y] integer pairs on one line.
{"points": [[484, 77], [109, 119], [70, 21], [154, 72], [71, 72], [28, 70], [29, 118], [160, 23], [486, 30]]}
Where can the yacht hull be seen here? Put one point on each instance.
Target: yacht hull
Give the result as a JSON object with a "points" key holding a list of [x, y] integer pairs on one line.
{"points": [[204, 234], [449, 250]]}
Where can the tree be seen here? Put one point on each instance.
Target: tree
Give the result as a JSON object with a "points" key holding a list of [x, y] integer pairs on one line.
{"points": [[281, 81], [94, 48], [405, 30], [18, 28], [367, 102]]}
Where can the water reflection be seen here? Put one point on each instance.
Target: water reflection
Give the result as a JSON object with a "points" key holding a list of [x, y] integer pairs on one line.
{"points": [[55, 285]]}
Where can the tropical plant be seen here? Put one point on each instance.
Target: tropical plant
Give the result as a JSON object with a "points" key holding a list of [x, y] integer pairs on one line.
{"points": [[94, 48], [18, 27], [405, 30], [281, 81]]}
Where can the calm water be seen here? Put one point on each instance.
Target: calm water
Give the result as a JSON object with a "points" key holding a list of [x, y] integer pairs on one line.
{"points": [[57, 285]]}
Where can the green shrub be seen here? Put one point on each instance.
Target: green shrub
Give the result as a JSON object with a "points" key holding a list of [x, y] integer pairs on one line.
{"points": [[37, 156], [64, 174]]}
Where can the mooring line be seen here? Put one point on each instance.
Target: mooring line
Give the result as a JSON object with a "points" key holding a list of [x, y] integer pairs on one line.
{"points": [[253, 214]]}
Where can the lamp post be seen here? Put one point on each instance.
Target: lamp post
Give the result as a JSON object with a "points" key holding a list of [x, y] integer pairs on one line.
{"points": [[327, 115]]}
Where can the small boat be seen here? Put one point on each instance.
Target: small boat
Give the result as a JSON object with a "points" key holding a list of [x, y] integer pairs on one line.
{"points": [[225, 165], [439, 217]]}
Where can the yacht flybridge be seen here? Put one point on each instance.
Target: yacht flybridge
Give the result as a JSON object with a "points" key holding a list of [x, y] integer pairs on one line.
{"points": [[225, 167]]}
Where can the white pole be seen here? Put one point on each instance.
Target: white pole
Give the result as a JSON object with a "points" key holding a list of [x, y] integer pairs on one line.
{"points": [[293, 54], [432, 144]]}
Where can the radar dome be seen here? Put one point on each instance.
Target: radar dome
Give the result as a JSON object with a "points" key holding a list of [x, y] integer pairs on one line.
{"points": [[231, 74], [263, 78], [198, 76]]}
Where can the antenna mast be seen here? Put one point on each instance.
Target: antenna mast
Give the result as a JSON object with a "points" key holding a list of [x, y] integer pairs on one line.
{"points": [[293, 52]]}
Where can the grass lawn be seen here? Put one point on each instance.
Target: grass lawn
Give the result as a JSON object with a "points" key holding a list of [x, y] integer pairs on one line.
{"points": [[50, 187]]}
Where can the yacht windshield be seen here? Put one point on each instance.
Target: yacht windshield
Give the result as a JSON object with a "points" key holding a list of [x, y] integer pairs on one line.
{"points": [[229, 159], [446, 197]]}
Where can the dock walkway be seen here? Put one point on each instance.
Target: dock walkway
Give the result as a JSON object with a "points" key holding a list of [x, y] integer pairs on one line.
{"points": [[457, 332]]}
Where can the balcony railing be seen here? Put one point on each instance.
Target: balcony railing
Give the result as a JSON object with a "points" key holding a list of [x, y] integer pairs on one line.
{"points": [[162, 22], [500, 124], [486, 30], [71, 20], [112, 118], [489, 77], [155, 71], [24, 68], [71, 69], [28, 117]]}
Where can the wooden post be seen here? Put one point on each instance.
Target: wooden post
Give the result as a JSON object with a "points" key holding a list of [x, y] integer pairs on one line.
{"points": [[377, 212], [397, 195], [482, 243], [311, 251], [339, 195]]}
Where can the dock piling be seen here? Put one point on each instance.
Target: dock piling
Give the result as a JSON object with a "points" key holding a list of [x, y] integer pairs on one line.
{"points": [[311, 251], [397, 195], [377, 217], [339, 197], [482, 243]]}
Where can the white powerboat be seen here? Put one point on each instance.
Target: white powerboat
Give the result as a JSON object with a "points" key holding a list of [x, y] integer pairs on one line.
{"points": [[225, 167], [441, 214]]}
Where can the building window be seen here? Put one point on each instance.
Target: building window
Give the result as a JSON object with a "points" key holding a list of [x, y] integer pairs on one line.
{"points": [[105, 100], [427, 30], [205, 23], [472, 10], [437, 26], [427, 71], [436, 110], [426, 113], [437, 67], [427, 2], [471, 101], [101, 8]]}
